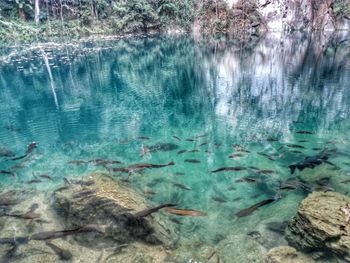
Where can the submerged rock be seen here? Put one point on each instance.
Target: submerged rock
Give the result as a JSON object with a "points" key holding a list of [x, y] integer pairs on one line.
{"points": [[286, 254], [322, 224], [110, 204]]}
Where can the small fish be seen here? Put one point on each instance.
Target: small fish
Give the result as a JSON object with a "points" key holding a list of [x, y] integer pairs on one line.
{"points": [[45, 176], [303, 141], [202, 144], [184, 187], [194, 151], [192, 161], [179, 173], [266, 156], [84, 193], [304, 132], [77, 162], [8, 172], [237, 155], [103, 162], [63, 254], [181, 151], [235, 168], [323, 188], [177, 138], [143, 138], [240, 149], [184, 212], [163, 147], [34, 181], [296, 152], [248, 211], [271, 139], [190, 140], [247, 180], [317, 149], [295, 146], [201, 136], [265, 171], [345, 181], [219, 199], [149, 211]]}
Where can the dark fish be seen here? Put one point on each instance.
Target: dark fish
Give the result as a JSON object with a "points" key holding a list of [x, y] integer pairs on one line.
{"points": [[179, 173], [8, 172], [248, 211], [194, 151], [237, 155], [63, 254], [147, 212], [190, 140], [202, 144], [63, 233], [297, 152], [247, 180], [323, 188], [295, 146], [184, 187], [345, 181], [317, 149], [272, 139], [201, 136], [303, 141], [77, 162], [235, 168], [84, 183], [304, 132], [266, 156], [31, 147], [265, 171], [84, 193], [147, 165], [142, 138], [184, 212], [177, 138], [309, 162], [163, 147], [34, 181], [181, 151], [219, 199], [237, 199], [192, 161], [103, 162], [46, 176]]}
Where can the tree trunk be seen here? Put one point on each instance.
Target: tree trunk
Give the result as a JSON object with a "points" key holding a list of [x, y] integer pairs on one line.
{"points": [[22, 15], [37, 12]]}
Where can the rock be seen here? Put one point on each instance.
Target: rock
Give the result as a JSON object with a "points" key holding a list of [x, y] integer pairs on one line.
{"points": [[286, 254], [240, 248], [322, 224], [109, 203]]}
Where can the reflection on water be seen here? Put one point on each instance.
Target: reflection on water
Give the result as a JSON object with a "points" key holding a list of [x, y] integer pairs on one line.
{"points": [[212, 103]]}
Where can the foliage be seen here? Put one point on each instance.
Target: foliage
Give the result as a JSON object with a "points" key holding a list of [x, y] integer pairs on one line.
{"points": [[341, 8]]}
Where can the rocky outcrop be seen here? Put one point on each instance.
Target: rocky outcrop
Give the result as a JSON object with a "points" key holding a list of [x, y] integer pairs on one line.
{"points": [[322, 224], [286, 254], [108, 203]]}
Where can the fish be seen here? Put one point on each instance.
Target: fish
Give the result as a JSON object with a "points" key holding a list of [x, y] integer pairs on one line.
{"points": [[204, 143], [143, 138], [309, 162], [303, 141], [49, 235], [266, 156], [219, 199], [345, 181], [201, 136], [231, 188], [297, 152], [265, 171], [77, 162], [163, 147], [181, 151], [248, 211], [34, 181], [317, 149], [304, 132], [184, 187], [194, 151], [30, 149], [190, 140], [179, 173], [235, 168], [103, 162], [192, 161], [295, 146], [84, 193], [46, 176], [323, 188], [149, 211], [271, 139], [184, 212], [63, 254], [177, 138], [247, 180], [147, 165], [237, 155], [8, 172]]}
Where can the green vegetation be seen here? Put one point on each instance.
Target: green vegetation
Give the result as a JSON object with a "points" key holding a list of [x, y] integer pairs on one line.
{"points": [[27, 18]]}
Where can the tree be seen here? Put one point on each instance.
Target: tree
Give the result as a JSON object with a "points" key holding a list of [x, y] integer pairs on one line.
{"points": [[37, 11]]}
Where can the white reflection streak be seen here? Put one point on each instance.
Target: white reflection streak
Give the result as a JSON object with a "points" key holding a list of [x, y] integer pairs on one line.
{"points": [[46, 60]]}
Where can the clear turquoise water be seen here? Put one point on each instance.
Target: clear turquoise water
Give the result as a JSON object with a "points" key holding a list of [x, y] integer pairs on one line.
{"points": [[103, 95]]}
